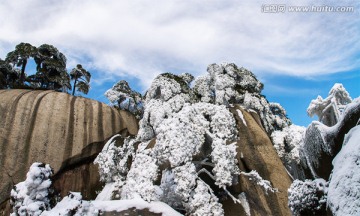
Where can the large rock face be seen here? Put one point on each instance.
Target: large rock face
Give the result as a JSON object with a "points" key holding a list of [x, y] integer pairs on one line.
{"points": [[56, 128], [256, 152], [323, 143]]}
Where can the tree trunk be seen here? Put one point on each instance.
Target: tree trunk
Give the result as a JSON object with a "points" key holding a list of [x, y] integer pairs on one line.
{"points": [[22, 75], [74, 87]]}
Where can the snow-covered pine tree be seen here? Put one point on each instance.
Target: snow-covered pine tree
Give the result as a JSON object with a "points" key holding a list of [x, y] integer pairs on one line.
{"points": [[35, 194], [123, 97]]}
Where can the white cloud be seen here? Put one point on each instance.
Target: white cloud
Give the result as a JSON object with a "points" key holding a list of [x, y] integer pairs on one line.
{"points": [[142, 38]]}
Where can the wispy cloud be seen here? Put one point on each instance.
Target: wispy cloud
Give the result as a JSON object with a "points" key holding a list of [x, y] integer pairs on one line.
{"points": [[141, 39]]}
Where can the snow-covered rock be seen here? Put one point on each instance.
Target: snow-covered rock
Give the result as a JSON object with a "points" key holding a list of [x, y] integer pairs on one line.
{"points": [[344, 188], [322, 143], [59, 129], [288, 143]]}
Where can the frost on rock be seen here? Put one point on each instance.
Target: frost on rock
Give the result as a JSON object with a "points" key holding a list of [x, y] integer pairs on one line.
{"points": [[34, 195], [330, 109], [322, 143], [308, 197], [288, 144], [240, 114], [344, 187]]}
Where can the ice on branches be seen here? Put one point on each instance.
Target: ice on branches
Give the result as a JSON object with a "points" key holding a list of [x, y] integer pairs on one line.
{"points": [[112, 160], [204, 202], [330, 109], [139, 181], [254, 176]]}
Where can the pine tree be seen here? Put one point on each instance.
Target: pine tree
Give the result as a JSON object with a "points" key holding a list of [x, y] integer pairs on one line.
{"points": [[81, 79]]}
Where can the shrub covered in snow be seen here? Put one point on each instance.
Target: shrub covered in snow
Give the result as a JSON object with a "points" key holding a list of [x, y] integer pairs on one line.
{"points": [[122, 96], [35, 194], [112, 160], [308, 197]]}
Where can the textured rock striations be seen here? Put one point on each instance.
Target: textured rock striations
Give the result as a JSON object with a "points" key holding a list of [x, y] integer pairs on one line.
{"points": [[56, 128], [256, 152]]}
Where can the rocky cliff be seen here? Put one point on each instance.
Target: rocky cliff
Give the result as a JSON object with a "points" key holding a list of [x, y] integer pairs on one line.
{"points": [[56, 128]]}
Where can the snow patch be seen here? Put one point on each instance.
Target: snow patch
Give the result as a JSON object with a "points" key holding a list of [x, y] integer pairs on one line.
{"points": [[240, 114]]}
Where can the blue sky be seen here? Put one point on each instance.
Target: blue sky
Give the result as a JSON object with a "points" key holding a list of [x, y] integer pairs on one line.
{"points": [[296, 55]]}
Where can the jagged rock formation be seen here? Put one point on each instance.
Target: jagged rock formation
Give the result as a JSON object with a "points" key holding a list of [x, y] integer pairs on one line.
{"points": [[55, 128]]}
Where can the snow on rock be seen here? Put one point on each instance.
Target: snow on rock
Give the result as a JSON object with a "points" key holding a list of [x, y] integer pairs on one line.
{"points": [[138, 203], [288, 143], [33, 196], [344, 188], [106, 193], [244, 203], [239, 112], [73, 205], [322, 143]]}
